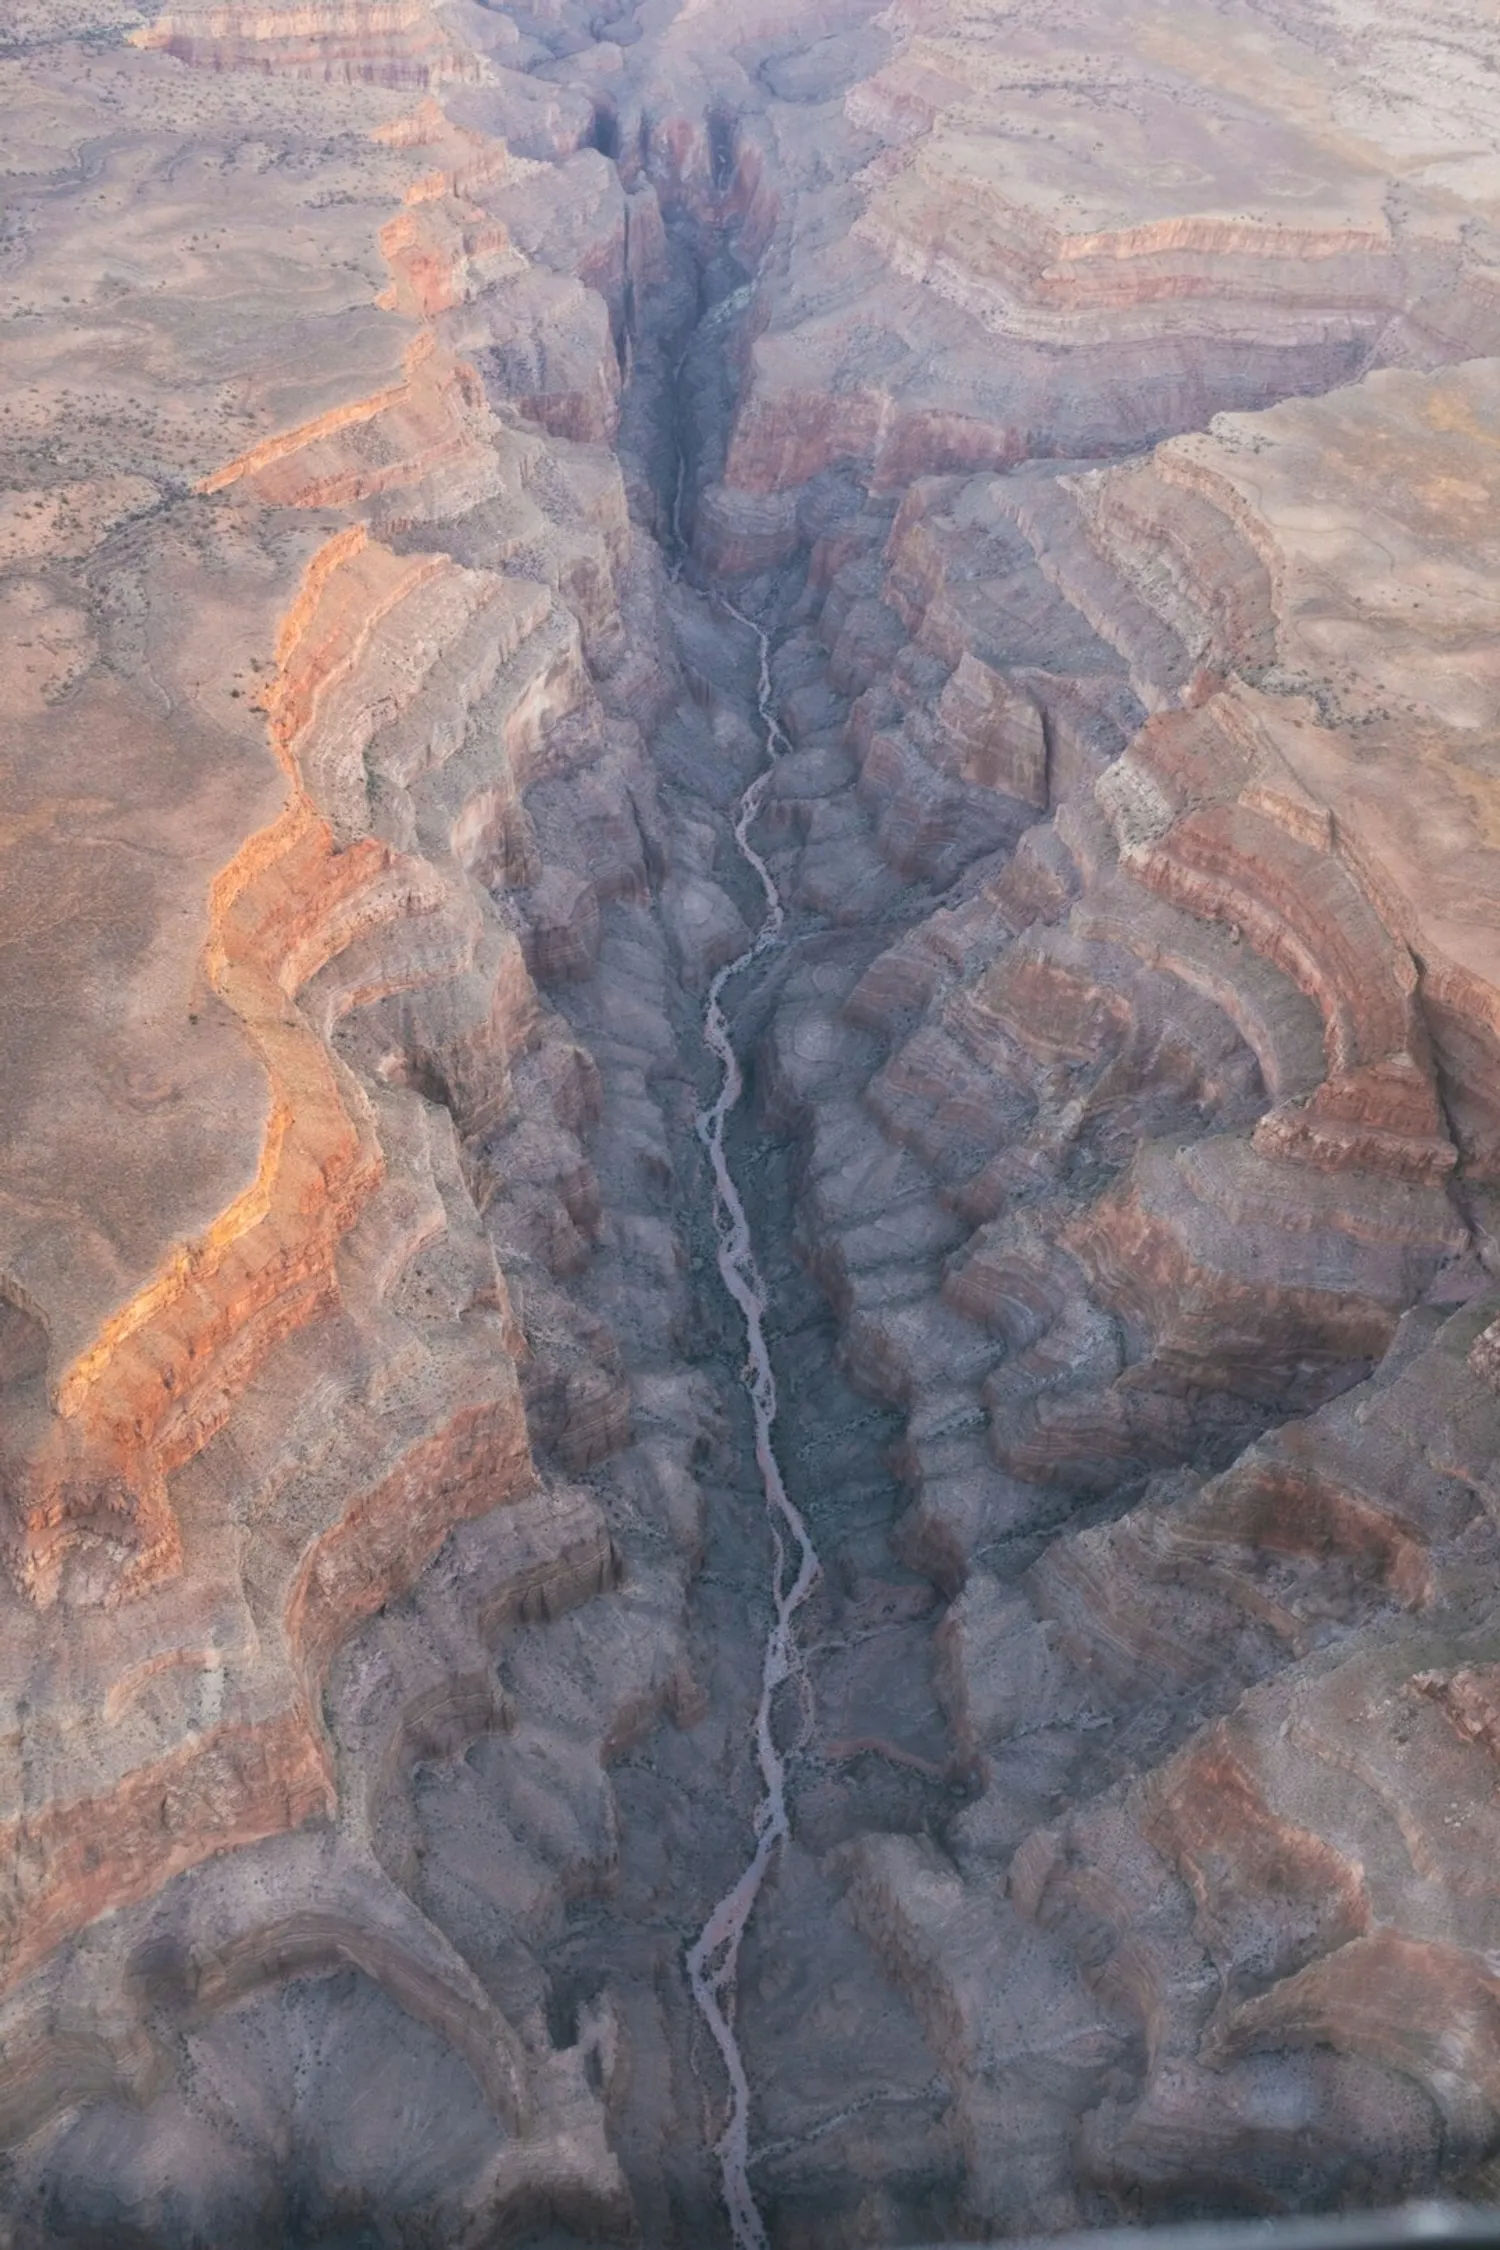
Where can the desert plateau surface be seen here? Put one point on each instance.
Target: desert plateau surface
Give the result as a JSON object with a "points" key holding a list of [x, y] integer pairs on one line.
{"points": [[750, 1119]]}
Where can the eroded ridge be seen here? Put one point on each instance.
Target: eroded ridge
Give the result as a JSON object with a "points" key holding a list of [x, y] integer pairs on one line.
{"points": [[1161, 1145], [273, 721]]}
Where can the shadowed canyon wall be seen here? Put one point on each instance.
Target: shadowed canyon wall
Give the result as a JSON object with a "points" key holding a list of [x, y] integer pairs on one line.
{"points": [[1094, 405]]}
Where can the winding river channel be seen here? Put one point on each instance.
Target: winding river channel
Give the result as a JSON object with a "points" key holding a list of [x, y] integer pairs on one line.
{"points": [[713, 1960]]}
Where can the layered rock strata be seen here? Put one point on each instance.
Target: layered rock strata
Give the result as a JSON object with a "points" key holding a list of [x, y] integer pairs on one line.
{"points": [[1128, 1091], [1152, 1133], [298, 619], [1070, 231]]}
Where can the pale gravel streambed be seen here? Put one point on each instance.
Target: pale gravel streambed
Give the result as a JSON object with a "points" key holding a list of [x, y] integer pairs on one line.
{"points": [[714, 1957]]}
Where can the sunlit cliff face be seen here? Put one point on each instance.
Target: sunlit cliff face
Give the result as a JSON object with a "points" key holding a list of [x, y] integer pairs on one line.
{"points": [[1046, 457]]}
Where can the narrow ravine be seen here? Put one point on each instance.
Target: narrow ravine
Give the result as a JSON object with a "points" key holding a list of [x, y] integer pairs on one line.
{"points": [[713, 1960]]}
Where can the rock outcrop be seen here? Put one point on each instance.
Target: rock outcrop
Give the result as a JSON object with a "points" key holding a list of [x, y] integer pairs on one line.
{"points": [[274, 1048], [1166, 1127], [1071, 231]]}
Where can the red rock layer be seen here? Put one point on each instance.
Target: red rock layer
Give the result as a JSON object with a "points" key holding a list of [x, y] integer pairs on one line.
{"points": [[260, 1357]]}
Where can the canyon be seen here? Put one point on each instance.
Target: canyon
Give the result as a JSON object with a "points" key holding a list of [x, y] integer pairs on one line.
{"points": [[750, 1214]]}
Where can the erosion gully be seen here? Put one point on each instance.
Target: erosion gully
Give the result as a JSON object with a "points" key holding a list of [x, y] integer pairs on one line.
{"points": [[751, 1227], [754, 1801]]}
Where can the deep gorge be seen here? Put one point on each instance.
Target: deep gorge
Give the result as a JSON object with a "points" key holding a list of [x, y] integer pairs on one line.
{"points": [[389, 1565]]}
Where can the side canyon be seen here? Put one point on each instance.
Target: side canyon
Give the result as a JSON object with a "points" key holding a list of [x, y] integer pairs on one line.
{"points": [[848, 650]]}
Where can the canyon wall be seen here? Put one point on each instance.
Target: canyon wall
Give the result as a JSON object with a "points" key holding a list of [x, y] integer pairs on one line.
{"points": [[1093, 405]]}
